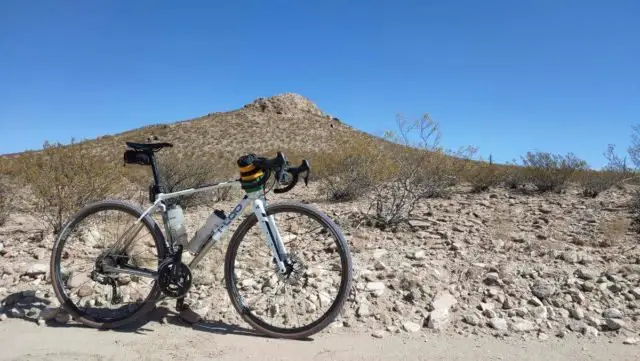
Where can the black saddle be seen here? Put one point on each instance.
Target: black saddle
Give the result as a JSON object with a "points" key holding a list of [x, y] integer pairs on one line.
{"points": [[148, 146]]}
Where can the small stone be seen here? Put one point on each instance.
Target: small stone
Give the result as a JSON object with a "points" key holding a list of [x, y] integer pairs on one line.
{"points": [[492, 279], [590, 331], [41, 322], [587, 274], [507, 304], [378, 334], [535, 301], [85, 291], [561, 334], [631, 341], [377, 288], [411, 326], [612, 313], [499, 324], [614, 324], [540, 312], [592, 321], [490, 313], [37, 269], [420, 255], [542, 290], [3, 317], [636, 292], [379, 253], [523, 326], [363, 311], [588, 286], [438, 318], [570, 257], [77, 280], [379, 266], [471, 319], [444, 300], [522, 311], [519, 237], [544, 210], [543, 336], [577, 312]]}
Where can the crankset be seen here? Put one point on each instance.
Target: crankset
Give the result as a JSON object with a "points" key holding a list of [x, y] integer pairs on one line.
{"points": [[174, 278]]}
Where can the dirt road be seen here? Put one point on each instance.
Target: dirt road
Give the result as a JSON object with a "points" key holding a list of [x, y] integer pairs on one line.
{"points": [[24, 340]]}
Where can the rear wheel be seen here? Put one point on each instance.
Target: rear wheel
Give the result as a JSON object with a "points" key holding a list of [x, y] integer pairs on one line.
{"points": [[311, 294], [86, 245]]}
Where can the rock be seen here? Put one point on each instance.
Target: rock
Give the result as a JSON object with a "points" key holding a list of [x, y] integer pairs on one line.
{"points": [[499, 324], [378, 334], [570, 257], [77, 280], [443, 300], [379, 266], [614, 324], [545, 210], [48, 313], [543, 336], [590, 331], [577, 312], [16, 313], [419, 255], [471, 319], [522, 326], [587, 274], [85, 291], [363, 311], [636, 292], [3, 317], [379, 253], [418, 224], [612, 313], [41, 322], [593, 321], [377, 288], [588, 286], [535, 301], [561, 334], [438, 318], [492, 279], [37, 269], [542, 290], [631, 341], [519, 237], [411, 326], [540, 312]]}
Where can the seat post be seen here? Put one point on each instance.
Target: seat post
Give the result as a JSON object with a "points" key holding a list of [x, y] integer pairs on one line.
{"points": [[154, 169]]}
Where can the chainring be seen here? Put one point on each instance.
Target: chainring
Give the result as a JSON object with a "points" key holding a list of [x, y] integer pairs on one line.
{"points": [[174, 278]]}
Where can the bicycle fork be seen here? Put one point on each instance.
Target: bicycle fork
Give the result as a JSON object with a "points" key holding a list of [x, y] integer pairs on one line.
{"points": [[269, 229]]}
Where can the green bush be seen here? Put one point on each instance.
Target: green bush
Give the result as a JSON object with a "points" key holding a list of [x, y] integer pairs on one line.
{"points": [[550, 172], [484, 176]]}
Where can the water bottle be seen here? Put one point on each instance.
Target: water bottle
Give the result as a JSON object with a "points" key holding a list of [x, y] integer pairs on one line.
{"points": [[176, 224], [203, 234]]}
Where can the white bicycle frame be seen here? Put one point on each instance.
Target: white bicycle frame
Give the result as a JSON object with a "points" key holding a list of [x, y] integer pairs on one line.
{"points": [[267, 225]]}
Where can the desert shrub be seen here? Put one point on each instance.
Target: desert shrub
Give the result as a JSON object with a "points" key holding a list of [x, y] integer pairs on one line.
{"points": [[6, 200], [483, 176], [514, 177], [63, 178], [594, 183], [352, 169], [550, 172], [179, 172], [416, 171]]}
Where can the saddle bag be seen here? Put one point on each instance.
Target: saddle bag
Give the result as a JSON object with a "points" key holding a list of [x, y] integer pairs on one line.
{"points": [[136, 157]]}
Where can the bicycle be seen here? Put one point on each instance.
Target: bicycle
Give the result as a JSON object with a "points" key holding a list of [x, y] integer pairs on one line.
{"points": [[120, 272]]}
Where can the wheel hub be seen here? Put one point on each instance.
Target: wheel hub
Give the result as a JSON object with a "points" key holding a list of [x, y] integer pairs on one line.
{"points": [[295, 267]]}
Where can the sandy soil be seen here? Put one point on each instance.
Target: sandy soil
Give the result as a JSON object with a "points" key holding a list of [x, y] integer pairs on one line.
{"points": [[23, 340]]}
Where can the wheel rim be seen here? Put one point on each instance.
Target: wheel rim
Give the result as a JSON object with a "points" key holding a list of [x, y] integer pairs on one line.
{"points": [[277, 302], [81, 283]]}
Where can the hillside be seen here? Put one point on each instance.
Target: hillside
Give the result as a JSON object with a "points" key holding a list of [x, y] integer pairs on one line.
{"points": [[288, 122]]}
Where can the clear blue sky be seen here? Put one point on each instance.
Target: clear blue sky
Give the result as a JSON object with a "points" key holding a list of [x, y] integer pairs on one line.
{"points": [[507, 76]]}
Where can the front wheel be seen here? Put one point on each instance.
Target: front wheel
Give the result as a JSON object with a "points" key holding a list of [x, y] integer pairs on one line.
{"points": [[312, 292]]}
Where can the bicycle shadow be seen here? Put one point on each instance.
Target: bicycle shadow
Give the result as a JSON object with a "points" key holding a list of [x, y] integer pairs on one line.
{"points": [[27, 306]]}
